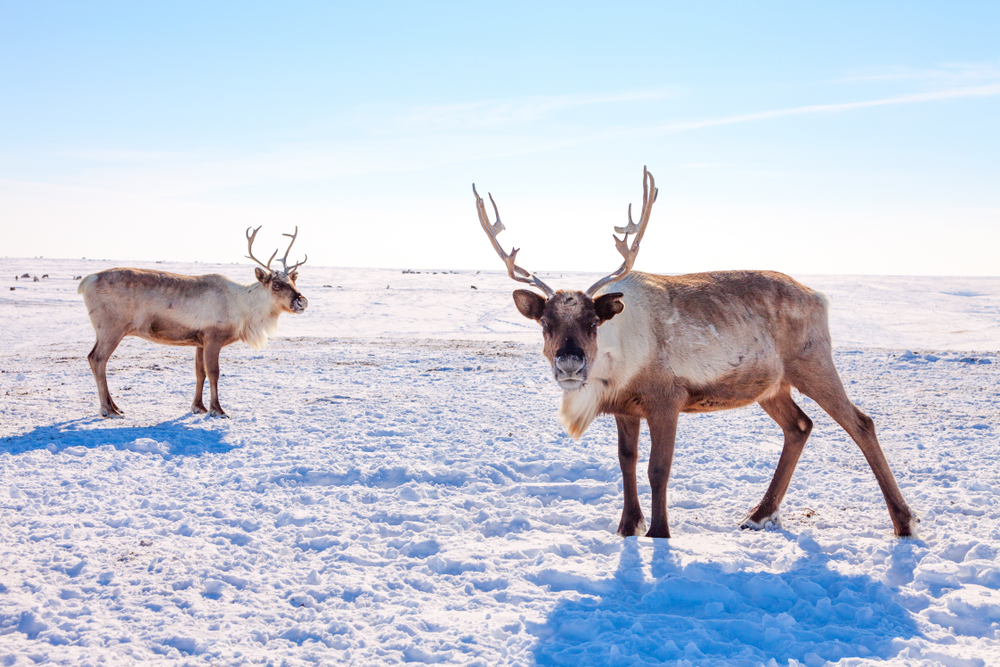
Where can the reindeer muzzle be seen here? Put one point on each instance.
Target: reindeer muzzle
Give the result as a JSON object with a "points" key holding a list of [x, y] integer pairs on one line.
{"points": [[299, 304], [570, 371]]}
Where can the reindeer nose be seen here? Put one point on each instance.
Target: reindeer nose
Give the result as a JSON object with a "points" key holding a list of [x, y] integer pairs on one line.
{"points": [[569, 364], [300, 304]]}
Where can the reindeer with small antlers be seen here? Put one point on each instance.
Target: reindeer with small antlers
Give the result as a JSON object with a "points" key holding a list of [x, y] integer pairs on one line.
{"points": [[662, 345], [204, 312]]}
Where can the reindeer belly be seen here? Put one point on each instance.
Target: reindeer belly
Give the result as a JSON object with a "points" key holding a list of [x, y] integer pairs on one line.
{"points": [[168, 331], [724, 397], [721, 377]]}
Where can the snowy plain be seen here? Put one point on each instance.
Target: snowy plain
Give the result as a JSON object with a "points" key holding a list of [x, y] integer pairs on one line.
{"points": [[394, 486]]}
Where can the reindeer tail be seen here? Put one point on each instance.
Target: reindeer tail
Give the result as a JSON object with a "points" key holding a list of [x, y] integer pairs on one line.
{"points": [[88, 280]]}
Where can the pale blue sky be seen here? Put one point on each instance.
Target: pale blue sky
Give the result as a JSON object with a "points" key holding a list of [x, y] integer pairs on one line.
{"points": [[849, 138]]}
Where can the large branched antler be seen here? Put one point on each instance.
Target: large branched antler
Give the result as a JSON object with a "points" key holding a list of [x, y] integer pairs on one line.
{"points": [[492, 229], [284, 260], [250, 238], [649, 192]]}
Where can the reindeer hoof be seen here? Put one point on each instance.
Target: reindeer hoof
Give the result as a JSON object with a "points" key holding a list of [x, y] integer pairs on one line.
{"points": [[628, 528], [218, 413], [112, 414], [762, 523], [658, 531], [198, 409], [909, 529]]}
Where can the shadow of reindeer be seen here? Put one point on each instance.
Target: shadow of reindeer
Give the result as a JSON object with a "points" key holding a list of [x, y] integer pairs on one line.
{"points": [[176, 437], [713, 613]]}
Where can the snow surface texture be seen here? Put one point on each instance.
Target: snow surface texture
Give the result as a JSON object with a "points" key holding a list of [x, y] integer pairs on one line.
{"points": [[394, 486]]}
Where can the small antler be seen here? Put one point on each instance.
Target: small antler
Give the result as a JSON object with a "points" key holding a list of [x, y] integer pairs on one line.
{"points": [[649, 192], [284, 260], [492, 229], [250, 238]]}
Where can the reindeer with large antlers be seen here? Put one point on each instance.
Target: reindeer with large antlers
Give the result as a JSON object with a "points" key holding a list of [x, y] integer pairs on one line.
{"points": [[662, 345], [204, 312]]}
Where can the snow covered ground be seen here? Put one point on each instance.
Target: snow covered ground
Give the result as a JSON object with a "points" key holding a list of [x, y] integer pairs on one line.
{"points": [[394, 486]]}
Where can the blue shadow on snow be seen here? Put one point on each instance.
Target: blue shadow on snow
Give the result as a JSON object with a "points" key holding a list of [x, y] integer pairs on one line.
{"points": [[706, 613], [175, 437]]}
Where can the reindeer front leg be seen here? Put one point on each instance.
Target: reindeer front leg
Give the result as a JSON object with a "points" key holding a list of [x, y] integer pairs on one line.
{"points": [[198, 406], [211, 355], [662, 430], [632, 521]]}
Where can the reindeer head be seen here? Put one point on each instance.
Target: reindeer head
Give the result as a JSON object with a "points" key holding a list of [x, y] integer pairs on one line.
{"points": [[569, 327], [280, 283], [570, 319]]}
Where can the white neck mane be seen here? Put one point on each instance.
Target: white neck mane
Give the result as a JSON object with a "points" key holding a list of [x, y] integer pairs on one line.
{"points": [[624, 347], [258, 317]]}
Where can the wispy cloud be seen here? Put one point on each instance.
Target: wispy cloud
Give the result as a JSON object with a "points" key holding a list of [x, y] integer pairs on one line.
{"points": [[954, 93], [432, 137], [944, 75], [499, 113]]}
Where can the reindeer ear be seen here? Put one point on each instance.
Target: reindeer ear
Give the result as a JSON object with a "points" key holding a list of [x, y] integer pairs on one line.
{"points": [[608, 305], [293, 276], [262, 275], [529, 304]]}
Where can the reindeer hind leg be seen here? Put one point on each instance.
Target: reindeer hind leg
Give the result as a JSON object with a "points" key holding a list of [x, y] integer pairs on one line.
{"points": [[796, 426], [105, 346], [198, 405], [821, 382]]}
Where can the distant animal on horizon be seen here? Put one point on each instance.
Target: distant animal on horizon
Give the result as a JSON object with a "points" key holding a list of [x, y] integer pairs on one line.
{"points": [[662, 345], [205, 312]]}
